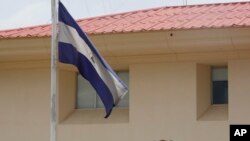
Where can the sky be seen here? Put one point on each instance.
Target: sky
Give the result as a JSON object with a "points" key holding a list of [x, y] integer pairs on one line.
{"points": [[23, 13]]}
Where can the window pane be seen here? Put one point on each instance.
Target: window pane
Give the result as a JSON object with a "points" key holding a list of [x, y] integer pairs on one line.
{"points": [[87, 97], [220, 92], [220, 85], [219, 74]]}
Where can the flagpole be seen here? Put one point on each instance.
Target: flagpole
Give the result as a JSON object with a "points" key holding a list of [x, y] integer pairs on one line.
{"points": [[53, 94]]}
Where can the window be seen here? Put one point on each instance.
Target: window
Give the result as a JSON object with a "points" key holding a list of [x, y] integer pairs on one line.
{"points": [[219, 85], [212, 93], [87, 97]]}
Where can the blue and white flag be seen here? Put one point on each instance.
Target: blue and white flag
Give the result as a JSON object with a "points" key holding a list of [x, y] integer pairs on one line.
{"points": [[76, 48]]}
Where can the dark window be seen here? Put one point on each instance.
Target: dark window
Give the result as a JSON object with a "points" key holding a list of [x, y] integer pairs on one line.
{"points": [[219, 85]]}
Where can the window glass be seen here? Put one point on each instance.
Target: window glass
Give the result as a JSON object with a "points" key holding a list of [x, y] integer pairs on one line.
{"points": [[220, 85], [87, 97]]}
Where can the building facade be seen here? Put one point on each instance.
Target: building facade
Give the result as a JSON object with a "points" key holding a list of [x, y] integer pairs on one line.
{"points": [[172, 75]]}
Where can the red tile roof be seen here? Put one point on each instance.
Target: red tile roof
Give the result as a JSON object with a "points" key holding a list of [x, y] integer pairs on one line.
{"points": [[163, 18]]}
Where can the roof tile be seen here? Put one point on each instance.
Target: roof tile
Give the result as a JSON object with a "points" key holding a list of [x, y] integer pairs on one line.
{"points": [[163, 18]]}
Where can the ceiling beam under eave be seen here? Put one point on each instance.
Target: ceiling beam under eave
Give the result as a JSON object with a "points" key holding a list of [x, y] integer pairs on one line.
{"points": [[24, 49], [181, 41], [136, 44]]}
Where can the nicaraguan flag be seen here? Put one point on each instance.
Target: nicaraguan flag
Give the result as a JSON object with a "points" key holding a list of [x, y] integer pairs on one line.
{"points": [[76, 48]]}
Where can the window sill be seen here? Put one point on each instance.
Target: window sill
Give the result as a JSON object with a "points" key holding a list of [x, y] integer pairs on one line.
{"points": [[96, 116], [217, 112]]}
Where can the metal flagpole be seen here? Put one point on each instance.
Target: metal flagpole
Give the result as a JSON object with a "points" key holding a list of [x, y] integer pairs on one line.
{"points": [[53, 90]]}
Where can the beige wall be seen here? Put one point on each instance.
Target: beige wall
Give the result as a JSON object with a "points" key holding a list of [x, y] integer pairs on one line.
{"points": [[162, 105], [203, 87], [161, 101], [24, 104], [67, 93], [239, 91]]}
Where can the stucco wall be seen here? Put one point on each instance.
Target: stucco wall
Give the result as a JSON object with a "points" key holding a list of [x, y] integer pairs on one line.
{"points": [[203, 95], [239, 91], [162, 100], [24, 104], [163, 105], [67, 93]]}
